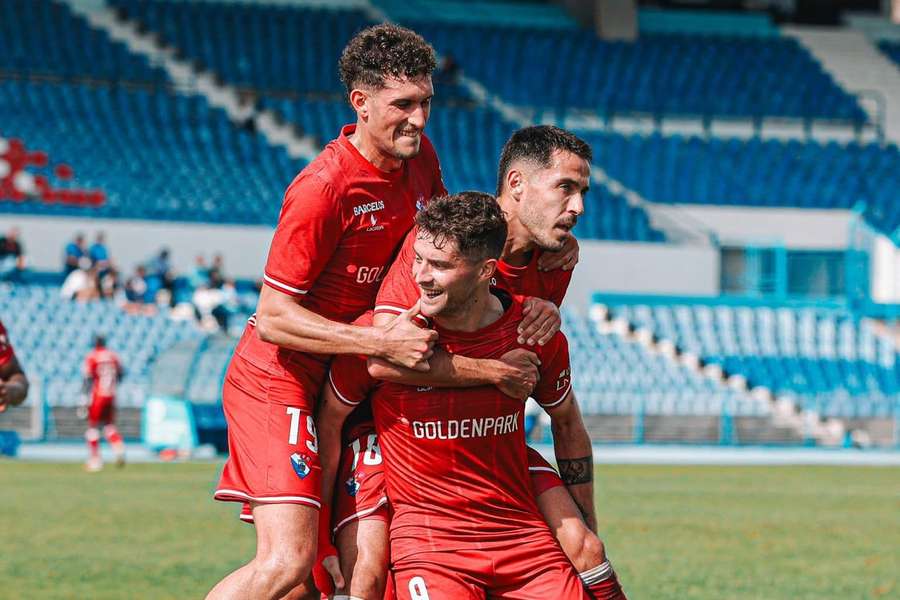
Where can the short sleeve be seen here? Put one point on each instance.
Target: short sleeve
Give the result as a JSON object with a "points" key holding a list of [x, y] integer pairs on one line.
{"points": [[87, 369], [556, 374], [349, 379], [309, 228], [6, 349], [399, 290]]}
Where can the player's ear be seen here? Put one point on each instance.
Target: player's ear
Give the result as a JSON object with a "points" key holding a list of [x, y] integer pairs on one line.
{"points": [[358, 101], [488, 268], [515, 182]]}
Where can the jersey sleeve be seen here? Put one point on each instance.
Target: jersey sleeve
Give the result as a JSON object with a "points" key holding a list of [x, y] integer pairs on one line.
{"points": [[349, 379], [556, 374], [6, 349], [399, 290], [309, 228]]}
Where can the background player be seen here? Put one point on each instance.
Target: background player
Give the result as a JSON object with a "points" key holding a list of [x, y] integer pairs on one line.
{"points": [[543, 177], [13, 382], [102, 373], [465, 522]]}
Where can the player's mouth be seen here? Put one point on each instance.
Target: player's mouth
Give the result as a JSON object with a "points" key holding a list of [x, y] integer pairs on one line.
{"points": [[431, 294], [567, 226], [410, 133]]}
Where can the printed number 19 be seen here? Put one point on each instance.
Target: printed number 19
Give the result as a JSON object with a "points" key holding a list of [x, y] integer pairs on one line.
{"points": [[312, 444]]}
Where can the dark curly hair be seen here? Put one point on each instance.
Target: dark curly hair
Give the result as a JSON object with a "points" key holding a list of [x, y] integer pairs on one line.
{"points": [[473, 220], [385, 50], [537, 144]]}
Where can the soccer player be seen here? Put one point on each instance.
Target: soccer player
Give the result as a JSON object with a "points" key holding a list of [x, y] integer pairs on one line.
{"points": [[102, 373], [13, 382], [465, 523], [543, 178], [342, 220]]}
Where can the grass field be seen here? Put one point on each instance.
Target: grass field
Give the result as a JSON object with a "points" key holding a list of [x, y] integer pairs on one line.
{"points": [[152, 531]]}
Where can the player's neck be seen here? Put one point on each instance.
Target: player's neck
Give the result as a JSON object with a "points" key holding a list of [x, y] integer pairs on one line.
{"points": [[369, 150], [519, 246], [482, 310]]}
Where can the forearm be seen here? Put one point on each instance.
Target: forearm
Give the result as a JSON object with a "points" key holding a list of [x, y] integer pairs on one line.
{"points": [[329, 432], [297, 328], [574, 455], [447, 370]]}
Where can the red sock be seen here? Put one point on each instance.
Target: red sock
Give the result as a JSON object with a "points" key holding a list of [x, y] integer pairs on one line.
{"points": [[602, 583]]}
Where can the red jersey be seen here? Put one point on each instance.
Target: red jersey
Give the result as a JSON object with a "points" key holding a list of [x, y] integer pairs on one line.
{"points": [[103, 367], [6, 349], [456, 462], [341, 222], [400, 291]]}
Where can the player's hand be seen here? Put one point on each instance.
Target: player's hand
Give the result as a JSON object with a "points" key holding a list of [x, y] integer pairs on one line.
{"points": [[519, 373], [565, 258], [540, 322], [406, 344], [12, 393], [327, 570]]}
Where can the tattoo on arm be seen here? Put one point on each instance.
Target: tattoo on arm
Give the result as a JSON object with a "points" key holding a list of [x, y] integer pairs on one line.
{"points": [[576, 470]]}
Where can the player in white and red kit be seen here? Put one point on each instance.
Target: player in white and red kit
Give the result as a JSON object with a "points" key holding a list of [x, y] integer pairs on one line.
{"points": [[548, 174], [465, 523], [13, 382], [102, 372]]}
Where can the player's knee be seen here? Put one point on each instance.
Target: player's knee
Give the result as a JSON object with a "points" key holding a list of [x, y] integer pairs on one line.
{"points": [[369, 574], [283, 569], [92, 434]]}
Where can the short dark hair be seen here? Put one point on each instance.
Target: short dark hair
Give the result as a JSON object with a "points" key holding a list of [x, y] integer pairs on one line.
{"points": [[473, 220], [537, 144], [100, 340], [385, 50]]}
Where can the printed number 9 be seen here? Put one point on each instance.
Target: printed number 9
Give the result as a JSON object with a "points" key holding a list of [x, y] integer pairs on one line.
{"points": [[417, 589]]}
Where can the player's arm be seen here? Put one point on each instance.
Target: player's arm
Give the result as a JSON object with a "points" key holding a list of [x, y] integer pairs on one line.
{"points": [[329, 422], [574, 455], [514, 373], [13, 383], [282, 320]]}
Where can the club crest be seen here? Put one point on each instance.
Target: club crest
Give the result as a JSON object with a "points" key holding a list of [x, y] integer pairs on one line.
{"points": [[300, 463]]}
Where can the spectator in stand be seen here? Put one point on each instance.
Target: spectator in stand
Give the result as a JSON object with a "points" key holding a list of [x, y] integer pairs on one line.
{"points": [[12, 256], [217, 271], [75, 251], [161, 267], [109, 283], [200, 275], [98, 253], [136, 292], [77, 281]]}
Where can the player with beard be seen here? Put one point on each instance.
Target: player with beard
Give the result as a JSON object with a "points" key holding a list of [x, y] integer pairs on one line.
{"points": [[465, 523], [543, 177]]}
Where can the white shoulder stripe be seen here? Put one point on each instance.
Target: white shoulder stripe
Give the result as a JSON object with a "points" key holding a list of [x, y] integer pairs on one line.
{"points": [[283, 286]]}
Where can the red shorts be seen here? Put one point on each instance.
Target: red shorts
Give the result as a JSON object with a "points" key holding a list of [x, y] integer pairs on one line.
{"points": [[359, 490], [102, 410], [543, 476], [273, 453], [533, 568]]}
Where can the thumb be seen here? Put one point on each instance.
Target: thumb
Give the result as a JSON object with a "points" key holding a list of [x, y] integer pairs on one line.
{"points": [[410, 313], [333, 566]]}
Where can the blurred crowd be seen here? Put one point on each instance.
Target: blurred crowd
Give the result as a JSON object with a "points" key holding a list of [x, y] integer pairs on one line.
{"points": [[91, 273]]}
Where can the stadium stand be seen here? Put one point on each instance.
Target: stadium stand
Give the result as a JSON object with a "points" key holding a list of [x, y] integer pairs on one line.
{"points": [[768, 173], [156, 155], [502, 13], [57, 43], [705, 22], [52, 337], [657, 74], [891, 50], [829, 360]]}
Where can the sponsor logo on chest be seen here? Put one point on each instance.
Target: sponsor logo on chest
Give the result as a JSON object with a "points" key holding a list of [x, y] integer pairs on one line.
{"points": [[465, 428], [362, 209]]}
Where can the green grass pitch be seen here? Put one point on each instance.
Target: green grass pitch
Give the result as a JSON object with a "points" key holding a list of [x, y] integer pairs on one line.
{"points": [[153, 531]]}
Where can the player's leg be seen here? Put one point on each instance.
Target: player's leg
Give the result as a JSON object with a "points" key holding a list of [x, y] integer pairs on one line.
{"points": [[273, 465], [582, 546], [285, 551], [360, 519], [92, 435], [111, 433], [363, 550]]}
